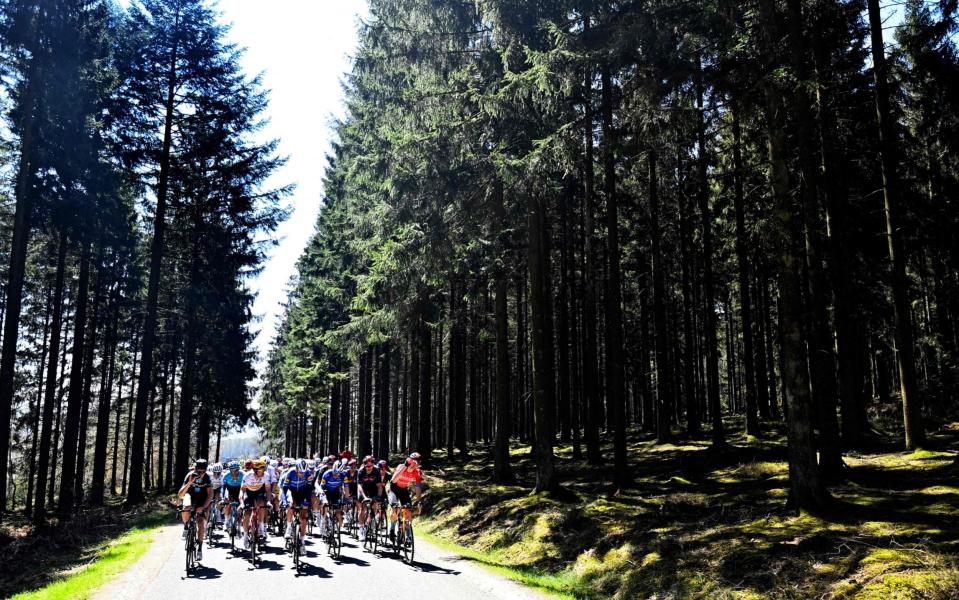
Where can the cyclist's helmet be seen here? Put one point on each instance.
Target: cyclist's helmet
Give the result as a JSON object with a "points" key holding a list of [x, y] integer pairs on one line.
{"points": [[415, 456], [311, 464], [382, 463], [234, 465], [346, 454], [217, 468], [301, 465], [200, 464], [367, 460], [248, 465], [287, 462], [274, 463], [352, 462], [259, 464]]}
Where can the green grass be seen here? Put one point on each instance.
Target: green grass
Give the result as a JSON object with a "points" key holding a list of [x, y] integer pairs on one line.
{"points": [[700, 523], [561, 585], [112, 558]]}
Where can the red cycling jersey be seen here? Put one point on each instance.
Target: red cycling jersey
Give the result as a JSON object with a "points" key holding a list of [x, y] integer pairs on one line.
{"points": [[404, 476]]}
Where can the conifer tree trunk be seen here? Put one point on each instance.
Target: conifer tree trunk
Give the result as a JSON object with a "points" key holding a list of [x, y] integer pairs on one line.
{"points": [[135, 489], [911, 402], [742, 258], [615, 371], [39, 512], [41, 365], [543, 402], [425, 431], [663, 375], [97, 484], [502, 471], [709, 323]]}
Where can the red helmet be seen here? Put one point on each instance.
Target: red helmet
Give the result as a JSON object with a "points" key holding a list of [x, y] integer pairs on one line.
{"points": [[346, 454], [367, 459]]}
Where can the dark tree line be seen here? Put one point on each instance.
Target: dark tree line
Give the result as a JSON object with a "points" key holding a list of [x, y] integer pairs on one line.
{"points": [[137, 181], [550, 221]]}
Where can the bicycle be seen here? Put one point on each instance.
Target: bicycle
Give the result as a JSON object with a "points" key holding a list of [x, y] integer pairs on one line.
{"points": [[334, 537], [295, 540], [375, 525], [211, 523], [254, 536], [405, 542], [233, 526], [191, 543]]}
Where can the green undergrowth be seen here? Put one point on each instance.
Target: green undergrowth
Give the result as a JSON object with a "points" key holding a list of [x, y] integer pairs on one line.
{"points": [[707, 523], [71, 560]]}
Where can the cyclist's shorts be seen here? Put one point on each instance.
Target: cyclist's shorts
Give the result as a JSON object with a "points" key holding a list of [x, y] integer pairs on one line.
{"points": [[402, 495], [194, 500], [391, 498], [233, 493], [299, 498], [332, 497], [253, 496]]}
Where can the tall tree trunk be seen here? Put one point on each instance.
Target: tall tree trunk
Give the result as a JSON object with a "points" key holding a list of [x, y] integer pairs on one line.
{"points": [[97, 484], [615, 370], [18, 260], [502, 470], [664, 394], [911, 402], [742, 257], [709, 323], [591, 398], [806, 489], [425, 431], [41, 365], [543, 402], [144, 387], [693, 422], [39, 512]]}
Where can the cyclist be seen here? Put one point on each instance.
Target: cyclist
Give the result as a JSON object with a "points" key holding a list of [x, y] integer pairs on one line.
{"points": [[254, 495], [405, 475], [350, 480], [345, 454], [271, 481], [232, 483], [216, 480], [371, 484], [197, 494], [297, 485], [333, 488]]}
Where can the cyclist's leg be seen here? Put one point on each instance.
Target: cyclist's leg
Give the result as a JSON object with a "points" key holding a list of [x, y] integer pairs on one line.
{"points": [[200, 523]]}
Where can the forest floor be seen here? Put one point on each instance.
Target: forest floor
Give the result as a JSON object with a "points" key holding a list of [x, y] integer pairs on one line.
{"points": [[701, 523], [34, 558]]}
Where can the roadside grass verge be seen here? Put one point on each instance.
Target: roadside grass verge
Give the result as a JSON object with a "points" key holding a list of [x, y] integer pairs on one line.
{"points": [[705, 523], [112, 558], [62, 560], [557, 585]]}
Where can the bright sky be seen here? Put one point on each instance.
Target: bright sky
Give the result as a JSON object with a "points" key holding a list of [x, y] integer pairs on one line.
{"points": [[303, 48]]}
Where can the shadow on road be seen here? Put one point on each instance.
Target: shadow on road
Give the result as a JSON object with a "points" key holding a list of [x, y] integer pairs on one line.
{"points": [[201, 572], [349, 560], [308, 570], [431, 568]]}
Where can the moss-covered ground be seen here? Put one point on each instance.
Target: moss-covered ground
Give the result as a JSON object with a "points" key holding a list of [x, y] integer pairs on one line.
{"points": [[707, 523]]}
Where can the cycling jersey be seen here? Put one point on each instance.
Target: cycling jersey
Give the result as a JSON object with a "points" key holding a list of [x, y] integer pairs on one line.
{"points": [[270, 475], [294, 480], [405, 476], [200, 483], [332, 480], [230, 481], [254, 483], [216, 481], [370, 482]]}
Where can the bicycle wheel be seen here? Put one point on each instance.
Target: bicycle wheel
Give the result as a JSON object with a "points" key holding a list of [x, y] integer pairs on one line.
{"points": [[296, 546], [410, 546]]}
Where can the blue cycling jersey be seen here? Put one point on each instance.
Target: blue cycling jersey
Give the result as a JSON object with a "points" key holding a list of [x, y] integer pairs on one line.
{"points": [[294, 480], [230, 481], [333, 480]]}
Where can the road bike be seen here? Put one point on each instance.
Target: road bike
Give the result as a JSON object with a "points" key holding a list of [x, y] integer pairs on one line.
{"points": [[191, 543], [254, 536], [375, 525], [334, 537], [234, 524], [405, 542], [211, 524]]}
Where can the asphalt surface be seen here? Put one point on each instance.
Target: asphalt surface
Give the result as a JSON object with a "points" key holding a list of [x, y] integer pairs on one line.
{"points": [[435, 573]]}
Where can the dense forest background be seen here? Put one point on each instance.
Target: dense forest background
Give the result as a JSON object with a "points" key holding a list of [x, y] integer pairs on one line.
{"points": [[134, 213], [563, 222], [544, 223]]}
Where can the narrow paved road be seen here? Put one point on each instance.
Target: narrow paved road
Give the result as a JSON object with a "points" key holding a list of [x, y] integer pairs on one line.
{"points": [[435, 574]]}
